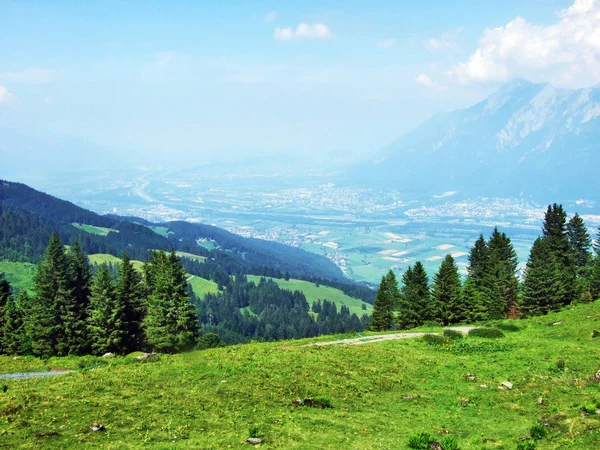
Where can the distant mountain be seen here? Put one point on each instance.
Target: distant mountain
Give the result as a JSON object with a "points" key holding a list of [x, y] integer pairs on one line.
{"points": [[526, 138], [28, 217]]}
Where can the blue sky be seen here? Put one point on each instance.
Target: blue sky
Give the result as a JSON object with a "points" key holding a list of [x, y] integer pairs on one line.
{"points": [[209, 81]]}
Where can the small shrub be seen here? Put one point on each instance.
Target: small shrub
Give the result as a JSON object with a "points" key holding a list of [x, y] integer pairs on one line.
{"points": [[450, 443], [589, 408], [560, 364], [431, 323], [467, 348], [537, 432], [526, 445], [453, 334], [420, 441], [489, 333], [507, 327], [436, 339], [254, 431]]}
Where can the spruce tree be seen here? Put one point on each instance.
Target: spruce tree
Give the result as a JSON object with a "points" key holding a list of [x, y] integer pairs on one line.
{"points": [[131, 296], [543, 282], [479, 285], [415, 298], [52, 302], [171, 322], [5, 296], [105, 320], [580, 245], [387, 298], [501, 275], [12, 334], [76, 312], [446, 292]]}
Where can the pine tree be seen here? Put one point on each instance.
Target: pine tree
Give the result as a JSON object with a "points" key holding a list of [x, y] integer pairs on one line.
{"points": [[415, 298], [171, 322], [543, 284], [12, 334], [580, 245], [479, 285], [76, 312], [5, 296], [501, 275], [53, 297], [105, 320], [387, 297], [446, 293], [132, 297], [555, 232]]}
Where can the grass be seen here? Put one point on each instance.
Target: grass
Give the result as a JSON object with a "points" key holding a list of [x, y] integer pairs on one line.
{"points": [[93, 229], [191, 256], [19, 274], [201, 286], [381, 394], [163, 231], [312, 292], [100, 258]]}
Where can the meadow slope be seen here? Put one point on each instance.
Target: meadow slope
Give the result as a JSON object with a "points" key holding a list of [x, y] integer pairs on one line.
{"points": [[380, 393]]}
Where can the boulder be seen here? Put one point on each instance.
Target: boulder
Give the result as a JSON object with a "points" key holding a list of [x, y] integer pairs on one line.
{"points": [[97, 427], [254, 441], [108, 355], [507, 384], [146, 356], [483, 386], [597, 376]]}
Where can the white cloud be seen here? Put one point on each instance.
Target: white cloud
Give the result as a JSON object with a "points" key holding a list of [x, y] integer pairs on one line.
{"points": [[445, 42], [566, 53], [5, 96], [31, 75], [271, 17], [303, 31], [426, 81], [386, 43]]}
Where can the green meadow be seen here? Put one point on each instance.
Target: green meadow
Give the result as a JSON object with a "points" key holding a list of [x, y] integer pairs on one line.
{"points": [[19, 274], [312, 292], [101, 258], [380, 394], [93, 229]]}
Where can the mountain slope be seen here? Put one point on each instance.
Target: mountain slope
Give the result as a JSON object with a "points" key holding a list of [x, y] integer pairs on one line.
{"points": [[28, 217], [525, 138]]}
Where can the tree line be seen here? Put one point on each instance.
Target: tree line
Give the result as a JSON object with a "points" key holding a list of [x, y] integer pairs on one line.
{"points": [[74, 312], [561, 269]]}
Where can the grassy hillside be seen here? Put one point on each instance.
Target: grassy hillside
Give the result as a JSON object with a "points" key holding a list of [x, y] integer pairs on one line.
{"points": [[201, 287], [100, 231], [312, 292], [191, 256], [380, 393], [100, 258], [19, 274]]}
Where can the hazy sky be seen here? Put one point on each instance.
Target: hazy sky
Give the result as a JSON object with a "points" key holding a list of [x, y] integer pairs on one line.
{"points": [[208, 80]]}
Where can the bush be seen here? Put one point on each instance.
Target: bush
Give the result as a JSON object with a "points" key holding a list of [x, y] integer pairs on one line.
{"points": [[462, 347], [560, 364], [209, 340], [490, 333], [453, 334], [526, 445], [450, 443], [431, 323], [436, 339], [507, 327], [420, 441], [254, 431], [538, 431]]}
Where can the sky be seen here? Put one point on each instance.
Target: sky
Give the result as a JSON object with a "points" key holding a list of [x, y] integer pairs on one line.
{"points": [[203, 81]]}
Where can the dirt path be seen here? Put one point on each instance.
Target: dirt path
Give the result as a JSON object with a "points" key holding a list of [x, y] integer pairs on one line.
{"points": [[384, 337]]}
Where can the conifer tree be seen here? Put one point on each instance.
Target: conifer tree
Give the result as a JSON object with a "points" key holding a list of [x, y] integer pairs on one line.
{"points": [[385, 302], [5, 296], [415, 298], [555, 232], [171, 322], [580, 245], [501, 275], [446, 292], [543, 284], [12, 335], [53, 297], [132, 297], [75, 313], [105, 320], [479, 285]]}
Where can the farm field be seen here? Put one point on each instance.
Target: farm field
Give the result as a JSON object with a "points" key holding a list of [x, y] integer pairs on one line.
{"points": [[201, 286], [373, 396], [93, 229], [312, 292], [100, 258]]}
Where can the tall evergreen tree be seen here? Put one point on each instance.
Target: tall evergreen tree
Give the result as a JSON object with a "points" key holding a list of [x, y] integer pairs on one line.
{"points": [[479, 286], [555, 233], [543, 282], [171, 321], [5, 296], [415, 298], [385, 302], [501, 275], [446, 292], [53, 298], [12, 334], [131, 296], [580, 245], [105, 320], [76, 312]]}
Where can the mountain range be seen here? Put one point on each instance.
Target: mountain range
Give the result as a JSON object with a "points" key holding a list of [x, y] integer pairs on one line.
{"points": [[525, 139]]}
